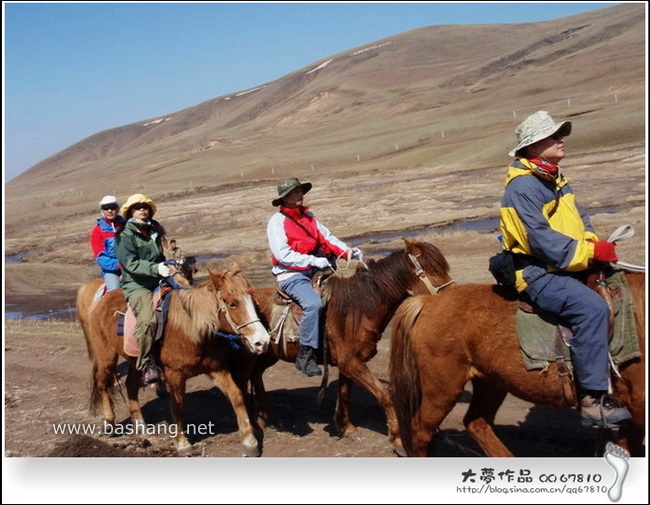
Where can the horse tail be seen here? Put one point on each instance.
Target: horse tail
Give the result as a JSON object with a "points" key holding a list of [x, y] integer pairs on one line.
{"points": [[404, 375]]}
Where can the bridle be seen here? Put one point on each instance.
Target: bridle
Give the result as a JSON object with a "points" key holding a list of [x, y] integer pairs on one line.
{"points": [[224, 308], [422, 275]]}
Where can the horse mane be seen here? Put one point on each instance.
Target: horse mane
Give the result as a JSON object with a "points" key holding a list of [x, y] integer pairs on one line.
{"points": [[194, 312], [385, 280]]}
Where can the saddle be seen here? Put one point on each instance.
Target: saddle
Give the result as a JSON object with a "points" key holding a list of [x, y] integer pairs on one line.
{"points": [[286, 314], [544, 339], [126, 321]]}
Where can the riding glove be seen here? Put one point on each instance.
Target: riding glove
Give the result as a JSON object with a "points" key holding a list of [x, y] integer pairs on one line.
{"points": [[321, 263], [163, 270], [605, 251], [357, 254]]}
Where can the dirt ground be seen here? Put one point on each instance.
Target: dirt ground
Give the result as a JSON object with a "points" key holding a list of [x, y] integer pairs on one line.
{"points": [[47, 371], [47, 386]]}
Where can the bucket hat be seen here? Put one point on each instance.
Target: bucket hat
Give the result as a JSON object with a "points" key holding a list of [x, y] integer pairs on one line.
{"points": [[287, 186], [137, 198], [537, 127]]}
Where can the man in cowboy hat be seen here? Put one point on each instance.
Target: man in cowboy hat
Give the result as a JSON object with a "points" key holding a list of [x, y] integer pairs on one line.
{"points": [[552, 239], [300, 246]]}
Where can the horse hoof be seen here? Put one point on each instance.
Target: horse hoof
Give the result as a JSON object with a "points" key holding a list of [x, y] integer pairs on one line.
{"points": [[185, 450], [252, 452], [400, 451]]}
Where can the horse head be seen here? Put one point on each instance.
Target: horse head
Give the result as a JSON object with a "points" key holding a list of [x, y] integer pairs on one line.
{"points": [[237, 309], [188, 266], [430, 266]]}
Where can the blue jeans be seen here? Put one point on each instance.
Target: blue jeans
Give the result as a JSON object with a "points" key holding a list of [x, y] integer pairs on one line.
{"points": [[299, 288], [587, 314], [112, 281]]}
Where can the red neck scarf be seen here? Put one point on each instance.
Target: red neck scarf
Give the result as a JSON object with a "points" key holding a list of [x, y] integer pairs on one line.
{"points": [[546, 167]]}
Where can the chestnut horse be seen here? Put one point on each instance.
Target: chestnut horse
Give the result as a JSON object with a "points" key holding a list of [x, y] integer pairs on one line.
{"points": [[195, 341], [358, 309], [467, 334]]}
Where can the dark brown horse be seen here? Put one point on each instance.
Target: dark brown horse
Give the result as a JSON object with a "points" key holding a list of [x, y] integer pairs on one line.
{"points": [[468, 333], [358, 309], [195, 341]]}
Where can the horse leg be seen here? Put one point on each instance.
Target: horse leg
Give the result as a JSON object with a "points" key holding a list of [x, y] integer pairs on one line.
{"points": [[479, 419], [342, 412], [176, 383], [437, 402], [102, 387], [133, 379], [261, 398], [224, 381], [364, 377]]}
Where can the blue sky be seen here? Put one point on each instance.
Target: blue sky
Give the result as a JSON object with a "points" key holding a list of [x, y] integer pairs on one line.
{"points": [[71, 70]]}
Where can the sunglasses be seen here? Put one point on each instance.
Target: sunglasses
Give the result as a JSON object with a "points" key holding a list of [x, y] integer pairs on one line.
{"points": [[110, 207], [139, 206], [557, 136]]}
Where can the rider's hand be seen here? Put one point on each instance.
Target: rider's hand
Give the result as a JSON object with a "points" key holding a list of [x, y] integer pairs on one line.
{"points": [[321, 263], [357, 254], [605, 251], [163, 270]]}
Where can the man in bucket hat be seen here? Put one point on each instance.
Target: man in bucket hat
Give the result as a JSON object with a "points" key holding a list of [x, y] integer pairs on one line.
{"points": [[552, 239], [300, 246]]}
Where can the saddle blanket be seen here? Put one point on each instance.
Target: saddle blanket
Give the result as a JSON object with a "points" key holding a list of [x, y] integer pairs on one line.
{"points": [[537, 333], [126, 325]]}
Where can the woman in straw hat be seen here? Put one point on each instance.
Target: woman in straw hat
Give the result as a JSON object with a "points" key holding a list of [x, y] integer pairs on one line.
{"points": [[300, 246], [552, 239], [140, 251]]}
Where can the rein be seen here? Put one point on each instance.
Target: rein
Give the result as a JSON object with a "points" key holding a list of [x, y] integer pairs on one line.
{"points": [[419, 271], [623, 233]]}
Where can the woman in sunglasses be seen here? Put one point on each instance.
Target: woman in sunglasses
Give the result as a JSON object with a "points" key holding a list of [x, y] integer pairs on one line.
{"points": [[102, 241], [140, 252]]}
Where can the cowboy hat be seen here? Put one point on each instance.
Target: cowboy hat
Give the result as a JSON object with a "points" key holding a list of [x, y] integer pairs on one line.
{"points": [[287, 186]]}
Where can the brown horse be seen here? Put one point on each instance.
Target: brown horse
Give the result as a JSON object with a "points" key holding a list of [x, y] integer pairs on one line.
{"points": [[467, 334], [358, 309], [195, 341]]}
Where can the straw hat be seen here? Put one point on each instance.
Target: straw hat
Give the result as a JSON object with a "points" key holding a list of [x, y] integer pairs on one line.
{"points": [[137, 198]]}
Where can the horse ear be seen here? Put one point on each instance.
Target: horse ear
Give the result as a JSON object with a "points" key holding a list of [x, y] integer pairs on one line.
{"points": [[411, 246], [216, 278]]}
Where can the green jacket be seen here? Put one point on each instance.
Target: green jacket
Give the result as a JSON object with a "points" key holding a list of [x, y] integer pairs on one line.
{"points": [[139, 250]]}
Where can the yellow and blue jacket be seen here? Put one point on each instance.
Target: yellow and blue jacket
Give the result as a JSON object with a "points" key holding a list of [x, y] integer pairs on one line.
{"points": [[541, 222]]}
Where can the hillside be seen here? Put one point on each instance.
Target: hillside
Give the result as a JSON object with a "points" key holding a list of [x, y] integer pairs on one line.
{"points": [[439, 100]]}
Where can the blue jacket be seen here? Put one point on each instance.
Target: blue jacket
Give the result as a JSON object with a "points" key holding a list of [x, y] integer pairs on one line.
{"points": [[540, 218], [102, 243]]}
